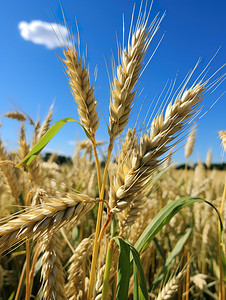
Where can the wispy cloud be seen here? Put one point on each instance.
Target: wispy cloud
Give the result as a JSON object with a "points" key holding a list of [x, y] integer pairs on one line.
{"points": [[51, 35], [72, 143]]}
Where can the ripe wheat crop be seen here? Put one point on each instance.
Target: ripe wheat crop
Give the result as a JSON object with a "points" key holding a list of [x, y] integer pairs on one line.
{"points": [[126, 227]]}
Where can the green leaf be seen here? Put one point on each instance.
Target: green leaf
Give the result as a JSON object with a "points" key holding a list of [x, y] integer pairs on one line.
{"points": [[136, 258], [135, 283], [123, 273], [160, 249], [170, 259], [164, 216], [107, 270], [11, 296], [45, 140]]}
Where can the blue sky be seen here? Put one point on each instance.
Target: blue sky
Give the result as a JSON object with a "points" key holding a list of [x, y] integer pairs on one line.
{"points": [[31, 76]]}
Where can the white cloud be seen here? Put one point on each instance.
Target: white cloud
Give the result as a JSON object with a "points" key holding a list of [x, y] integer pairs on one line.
{"points": [[44, 33], [72, 143]]}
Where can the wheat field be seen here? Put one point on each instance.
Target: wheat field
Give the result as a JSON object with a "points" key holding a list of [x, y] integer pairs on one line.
{"points": [[126, 226]]}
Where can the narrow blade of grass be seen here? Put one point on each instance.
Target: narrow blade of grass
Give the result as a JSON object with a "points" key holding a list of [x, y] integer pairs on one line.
{"points": [[45, 140], [136, 258], [176, 250], [164, 216]]}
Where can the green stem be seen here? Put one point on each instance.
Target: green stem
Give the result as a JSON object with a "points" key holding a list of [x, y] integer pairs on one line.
{"points": [[98, 224], [97, 163], [107, 270]]}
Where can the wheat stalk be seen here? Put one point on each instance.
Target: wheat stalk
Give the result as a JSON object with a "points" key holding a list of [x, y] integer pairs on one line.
{"points": [[82, 92], [97, 293], [209, 158], [189, 146], [44, 218], [45, 125], [222, 135], [170, 289], [52, 273], [127, 75], [76, 271], [10, 174], [16, 116], [143, 162]]}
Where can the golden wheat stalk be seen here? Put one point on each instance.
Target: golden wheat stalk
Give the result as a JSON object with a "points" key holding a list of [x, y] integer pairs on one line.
{"points": [[222, 135], [77, 269], [82, 92], [127, 74], [170, 289], [189, 146], [16, 116], [44, 218], [52, 273], [131, 178], [9, 173], [209, 158]]}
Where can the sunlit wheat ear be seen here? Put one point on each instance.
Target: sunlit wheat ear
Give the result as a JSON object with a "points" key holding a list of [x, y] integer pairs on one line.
{"points": [[82, 91], [127, 74], [78, 267], [222, 135], [165, 128], [189, 146], [43, 218], [52, 273]]}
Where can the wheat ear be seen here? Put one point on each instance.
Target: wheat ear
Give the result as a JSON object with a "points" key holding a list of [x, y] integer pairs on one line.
{"points": [[16, 116], [171, 287], [127, 74], [189, 146], [10, 174], [34, 174], [76, 271], [43, 218], [52, 272], [82, 92], [222, 135], [209, 159], [135, 175], [45, 125]]}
